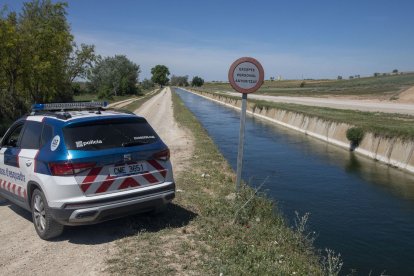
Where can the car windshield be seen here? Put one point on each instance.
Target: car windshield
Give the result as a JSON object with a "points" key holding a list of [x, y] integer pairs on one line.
{"points": [[105, 134]]}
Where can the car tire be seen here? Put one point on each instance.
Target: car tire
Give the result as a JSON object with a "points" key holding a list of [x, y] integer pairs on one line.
{"points": [[45, 226]]}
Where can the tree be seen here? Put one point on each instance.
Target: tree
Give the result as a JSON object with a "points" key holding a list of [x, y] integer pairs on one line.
{"points": [[339, 78], [197, 81], [114, 76], [147, 84], [47, 44], [38, 58], [395, 71], [81, 61], [377, 74], [160, 75], [11, 101], [179, 80]]}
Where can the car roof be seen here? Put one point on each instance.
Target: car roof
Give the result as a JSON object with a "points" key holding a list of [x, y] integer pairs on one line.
{"points": [[79, 115]]}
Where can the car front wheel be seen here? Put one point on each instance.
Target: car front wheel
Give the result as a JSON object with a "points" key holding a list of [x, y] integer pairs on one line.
{"points": [[46, 227]]}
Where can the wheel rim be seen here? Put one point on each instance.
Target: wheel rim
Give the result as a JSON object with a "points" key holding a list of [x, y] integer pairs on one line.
{"points": [[39, 213]]}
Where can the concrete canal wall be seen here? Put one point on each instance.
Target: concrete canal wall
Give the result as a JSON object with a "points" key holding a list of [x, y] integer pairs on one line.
{"points": [[395, 152]]}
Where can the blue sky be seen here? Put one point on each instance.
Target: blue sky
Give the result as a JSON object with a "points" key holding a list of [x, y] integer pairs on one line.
{"points": [[293, 39]]}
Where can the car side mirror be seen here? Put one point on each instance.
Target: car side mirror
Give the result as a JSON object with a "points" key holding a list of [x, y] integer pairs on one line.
{"points": [[12, 143]]}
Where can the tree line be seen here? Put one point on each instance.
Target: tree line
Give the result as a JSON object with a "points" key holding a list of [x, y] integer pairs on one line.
{"points": [[40, 62]]}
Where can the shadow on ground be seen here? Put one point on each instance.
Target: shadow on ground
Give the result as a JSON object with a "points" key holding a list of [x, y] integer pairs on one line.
{"points": [[174, 216]]}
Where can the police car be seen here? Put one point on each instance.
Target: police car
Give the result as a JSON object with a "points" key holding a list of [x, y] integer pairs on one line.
{"points": [[78, 163]]}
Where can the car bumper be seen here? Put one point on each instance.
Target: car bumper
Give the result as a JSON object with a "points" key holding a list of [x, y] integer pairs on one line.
{"points": [[116, 207]]}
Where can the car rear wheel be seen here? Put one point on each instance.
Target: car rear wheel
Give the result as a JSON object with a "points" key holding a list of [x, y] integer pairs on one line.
{"points": [[46, 227]]}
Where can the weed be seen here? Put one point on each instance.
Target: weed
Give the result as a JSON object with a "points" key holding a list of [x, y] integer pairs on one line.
{"points": [[332, 263]]}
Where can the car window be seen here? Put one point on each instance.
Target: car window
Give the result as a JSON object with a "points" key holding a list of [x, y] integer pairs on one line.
{"points": [[105, 134], [47, 135], [31, 135], [13, 138]]}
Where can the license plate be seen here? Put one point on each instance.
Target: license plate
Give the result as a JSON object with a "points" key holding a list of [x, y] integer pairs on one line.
{"points": [[135, 168]]}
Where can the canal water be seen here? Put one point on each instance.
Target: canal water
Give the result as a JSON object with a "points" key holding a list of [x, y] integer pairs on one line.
{"points": [[358, 207]]}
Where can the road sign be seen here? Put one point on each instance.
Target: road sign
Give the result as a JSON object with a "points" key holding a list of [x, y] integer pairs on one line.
{"points": [[246, 75]]}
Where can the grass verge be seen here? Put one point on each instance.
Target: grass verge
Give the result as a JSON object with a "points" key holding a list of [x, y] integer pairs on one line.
{"points": [[379, 123], [209, 231]]}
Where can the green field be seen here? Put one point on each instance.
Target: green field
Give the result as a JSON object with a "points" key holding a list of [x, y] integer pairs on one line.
{"points": [[388, 86]]}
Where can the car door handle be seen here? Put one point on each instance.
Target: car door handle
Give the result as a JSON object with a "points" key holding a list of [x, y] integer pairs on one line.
{"points": [[28, 163]]}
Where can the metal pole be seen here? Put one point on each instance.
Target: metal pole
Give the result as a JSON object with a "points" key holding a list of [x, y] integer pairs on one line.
{"points": [[241, 142]]}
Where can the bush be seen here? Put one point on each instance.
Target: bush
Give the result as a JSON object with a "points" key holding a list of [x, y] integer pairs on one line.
{"points": [[355, 136], [197, 82]]}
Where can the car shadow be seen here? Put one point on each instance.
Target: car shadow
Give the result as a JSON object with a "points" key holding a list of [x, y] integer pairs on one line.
{"points": [[18, 210], [174, 216]]}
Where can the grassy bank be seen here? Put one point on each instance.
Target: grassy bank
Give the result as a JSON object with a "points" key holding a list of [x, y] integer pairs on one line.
{"points": [[383, 124], [208, 231], [382, 86]]}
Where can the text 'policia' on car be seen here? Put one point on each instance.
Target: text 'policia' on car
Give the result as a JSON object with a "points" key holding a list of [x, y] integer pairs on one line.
{"points": [[77, 163]]}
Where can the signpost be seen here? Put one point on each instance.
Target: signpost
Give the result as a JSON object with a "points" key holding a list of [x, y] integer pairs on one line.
{"points": [[246, 75]]}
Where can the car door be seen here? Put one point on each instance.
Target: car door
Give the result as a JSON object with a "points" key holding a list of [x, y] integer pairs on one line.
{"points": [[11, 178], [29, 149]]}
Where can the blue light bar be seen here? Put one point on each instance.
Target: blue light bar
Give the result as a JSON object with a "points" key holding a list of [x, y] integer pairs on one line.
{"points": [[68, 106]]}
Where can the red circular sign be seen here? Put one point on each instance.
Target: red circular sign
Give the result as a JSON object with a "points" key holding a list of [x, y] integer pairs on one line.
{"points": [[246, 75]]}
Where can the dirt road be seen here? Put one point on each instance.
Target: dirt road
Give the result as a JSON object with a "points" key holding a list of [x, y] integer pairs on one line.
{"points": [[82, 250], [406, 96], [159, 113], [121, 104], [126, 102], [361, 105]]}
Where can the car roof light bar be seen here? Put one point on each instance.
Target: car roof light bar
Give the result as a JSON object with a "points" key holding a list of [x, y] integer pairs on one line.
{"points": [[68, 106]]}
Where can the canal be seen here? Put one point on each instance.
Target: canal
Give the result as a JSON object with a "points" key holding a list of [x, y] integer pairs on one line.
{"points": [[358, 207]]}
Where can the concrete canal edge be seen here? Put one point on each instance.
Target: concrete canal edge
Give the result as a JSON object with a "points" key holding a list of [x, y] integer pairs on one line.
{"points": [[395, 152]]}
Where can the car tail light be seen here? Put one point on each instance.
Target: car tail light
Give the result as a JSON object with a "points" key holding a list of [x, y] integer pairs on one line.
{"points": [[163, 155], [68, 168]]}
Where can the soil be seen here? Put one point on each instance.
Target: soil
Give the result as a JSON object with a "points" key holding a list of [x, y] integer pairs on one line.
{"points": [[406, 96], [83, 250]]}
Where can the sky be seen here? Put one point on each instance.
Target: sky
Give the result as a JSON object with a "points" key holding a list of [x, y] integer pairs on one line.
{"points": [[292, 39]]}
